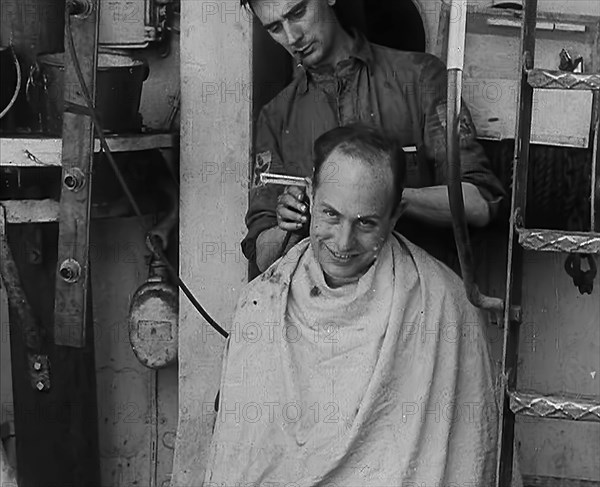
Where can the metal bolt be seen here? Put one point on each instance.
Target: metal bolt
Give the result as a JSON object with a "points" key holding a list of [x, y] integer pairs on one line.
{"points": [[70, 270], [37, 366], [74, 179], [80, 8], [39, 385], [70, 182], [66, 273]]}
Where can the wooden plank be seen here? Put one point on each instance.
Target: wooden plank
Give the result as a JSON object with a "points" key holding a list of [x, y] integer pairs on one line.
{"points": [[216, 131], [40, 152], [26, 151], [47, 211], [139, 142], [31, 211], [81, 61]]}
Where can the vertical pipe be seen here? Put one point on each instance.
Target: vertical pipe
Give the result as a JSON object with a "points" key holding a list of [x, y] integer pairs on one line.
{"points": [[455, 63], [595, 196]]}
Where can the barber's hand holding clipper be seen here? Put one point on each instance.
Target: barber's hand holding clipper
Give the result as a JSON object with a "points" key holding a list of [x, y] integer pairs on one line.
{"points": [[293, 220], [293, 209]]}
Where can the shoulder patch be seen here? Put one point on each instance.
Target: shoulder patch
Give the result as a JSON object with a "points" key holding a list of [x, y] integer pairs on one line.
{"points": [[261, 164]]}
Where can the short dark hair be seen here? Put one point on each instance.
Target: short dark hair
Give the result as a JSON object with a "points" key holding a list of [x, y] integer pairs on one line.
{"points": [[367, 143]]}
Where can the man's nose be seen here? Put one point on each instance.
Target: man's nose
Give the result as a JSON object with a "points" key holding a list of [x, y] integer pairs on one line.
{"points": [[293, 33], [344, 238]]}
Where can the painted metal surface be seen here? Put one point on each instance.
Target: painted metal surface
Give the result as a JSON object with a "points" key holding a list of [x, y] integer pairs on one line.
{"points": [[559, 241], [561, 80], [573, 408]]}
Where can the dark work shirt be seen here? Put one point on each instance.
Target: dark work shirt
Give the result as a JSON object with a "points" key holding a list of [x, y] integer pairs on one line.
{"points": [[402, 92]]}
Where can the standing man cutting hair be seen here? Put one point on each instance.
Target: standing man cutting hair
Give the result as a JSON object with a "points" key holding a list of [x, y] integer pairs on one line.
{"points": [[341, 78]]}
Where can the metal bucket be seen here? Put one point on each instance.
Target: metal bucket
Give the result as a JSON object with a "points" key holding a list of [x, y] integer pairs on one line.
{"points": [[119, 81]]}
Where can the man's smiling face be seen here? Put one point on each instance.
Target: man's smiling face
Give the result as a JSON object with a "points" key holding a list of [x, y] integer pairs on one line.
{"points": [[352, 216], [305, 28]]}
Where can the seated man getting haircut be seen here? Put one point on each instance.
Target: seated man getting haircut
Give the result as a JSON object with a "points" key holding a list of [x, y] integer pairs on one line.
{"points": [[363, 363]]}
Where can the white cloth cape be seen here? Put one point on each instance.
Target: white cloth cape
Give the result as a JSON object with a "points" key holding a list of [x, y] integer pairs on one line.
{"points": [[386, 382]]}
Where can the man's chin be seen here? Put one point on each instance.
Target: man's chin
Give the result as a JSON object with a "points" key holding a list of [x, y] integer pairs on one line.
{"points": [[342, 274], [311, 61]]}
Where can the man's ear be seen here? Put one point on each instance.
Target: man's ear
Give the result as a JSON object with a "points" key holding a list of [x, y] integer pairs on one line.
{"points": [[400, 209], [310, 192]]}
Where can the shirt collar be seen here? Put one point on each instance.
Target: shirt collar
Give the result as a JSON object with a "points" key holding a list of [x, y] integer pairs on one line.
{"points": [[361, 50]]}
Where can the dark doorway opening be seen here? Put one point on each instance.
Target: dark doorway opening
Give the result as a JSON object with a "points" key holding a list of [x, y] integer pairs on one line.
{"points": [[392, 23]]}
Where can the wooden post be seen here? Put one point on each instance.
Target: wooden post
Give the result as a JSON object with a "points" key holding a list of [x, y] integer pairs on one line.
{"points": [[216, 93], [81, 49]]}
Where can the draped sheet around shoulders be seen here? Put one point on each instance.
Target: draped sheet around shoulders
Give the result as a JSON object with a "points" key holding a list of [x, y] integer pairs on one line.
{"points": [[385, 382]]}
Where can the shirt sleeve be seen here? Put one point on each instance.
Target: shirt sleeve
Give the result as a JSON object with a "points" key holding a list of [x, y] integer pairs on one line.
{"points": [[475, 166], [262, 199]]}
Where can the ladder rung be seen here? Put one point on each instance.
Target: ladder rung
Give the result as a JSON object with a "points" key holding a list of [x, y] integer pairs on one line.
{"points": [[559, 241], [545, 481], [563, 80], [572, 408]]}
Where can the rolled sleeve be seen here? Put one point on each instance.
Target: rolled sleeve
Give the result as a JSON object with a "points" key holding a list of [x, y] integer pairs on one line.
{"points": [[262, 199], [475, 166]]}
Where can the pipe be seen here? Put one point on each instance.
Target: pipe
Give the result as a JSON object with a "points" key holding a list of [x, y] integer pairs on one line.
{"points": [[455, 63], [18, 84]]}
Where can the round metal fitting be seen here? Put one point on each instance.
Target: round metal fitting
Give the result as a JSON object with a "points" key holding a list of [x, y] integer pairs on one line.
{"points": [[70, 270], [74, 179], [80, 9]]}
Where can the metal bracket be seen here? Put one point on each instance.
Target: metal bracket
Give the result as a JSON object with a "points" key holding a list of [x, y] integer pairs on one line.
{"points": [[77, 156]]}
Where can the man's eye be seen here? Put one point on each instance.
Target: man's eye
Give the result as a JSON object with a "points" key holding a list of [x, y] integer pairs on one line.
{"points": [[330, 213], [298, 13], [366, 224], [273, 29]]}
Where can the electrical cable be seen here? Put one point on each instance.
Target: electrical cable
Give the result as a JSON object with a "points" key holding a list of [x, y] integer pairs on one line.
{"points": [[17, 86], [104, 144]]}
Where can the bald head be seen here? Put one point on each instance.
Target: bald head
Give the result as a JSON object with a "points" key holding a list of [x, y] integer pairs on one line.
{"points": [[363, 142]]}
